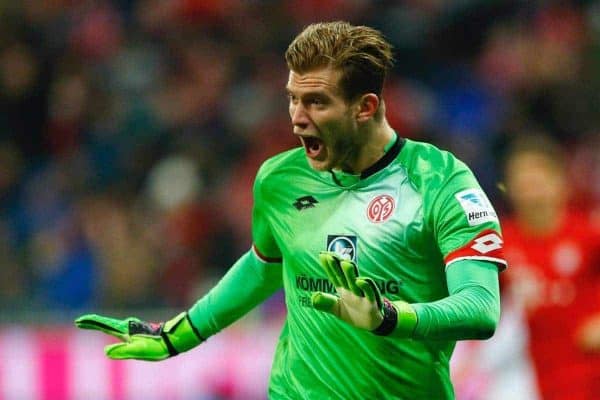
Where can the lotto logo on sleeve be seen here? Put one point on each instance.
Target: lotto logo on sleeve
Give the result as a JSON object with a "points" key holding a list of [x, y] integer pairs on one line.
{"points": [[477, 207], [486, 246], [487, 243]]}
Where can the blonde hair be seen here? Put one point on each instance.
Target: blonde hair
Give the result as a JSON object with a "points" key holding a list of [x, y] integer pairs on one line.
{"points": [[360, 52]]}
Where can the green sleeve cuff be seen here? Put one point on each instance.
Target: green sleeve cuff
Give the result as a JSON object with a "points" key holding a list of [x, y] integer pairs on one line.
{"points": [[407, 320]]}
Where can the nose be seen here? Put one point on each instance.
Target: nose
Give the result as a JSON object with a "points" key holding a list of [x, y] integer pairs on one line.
{"points": [[299, 116]]}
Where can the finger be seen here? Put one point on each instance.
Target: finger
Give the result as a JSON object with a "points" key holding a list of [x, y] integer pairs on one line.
{"points": [[336, 267], [326, 302], [118, 351], [370, 289], [332, 269], [366, 289], [350, 273], [111, 326], [139, 348]]}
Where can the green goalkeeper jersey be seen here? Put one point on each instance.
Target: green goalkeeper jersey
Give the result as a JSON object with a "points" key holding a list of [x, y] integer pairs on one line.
{"points": [[414, 212]]}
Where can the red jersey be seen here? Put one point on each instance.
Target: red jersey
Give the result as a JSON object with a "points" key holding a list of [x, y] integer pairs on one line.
{"points": [[565, 271]]}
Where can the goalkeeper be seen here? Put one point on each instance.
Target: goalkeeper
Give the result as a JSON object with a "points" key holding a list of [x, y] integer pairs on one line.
{"points": [[387, 248]]}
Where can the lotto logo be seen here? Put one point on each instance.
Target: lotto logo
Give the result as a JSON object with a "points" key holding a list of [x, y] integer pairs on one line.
{"points": [[487, 246], [381, 208], [487, 243]]}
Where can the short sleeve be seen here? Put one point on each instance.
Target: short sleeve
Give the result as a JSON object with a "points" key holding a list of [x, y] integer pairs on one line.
{"points": [[464, 221], [264, 244]]}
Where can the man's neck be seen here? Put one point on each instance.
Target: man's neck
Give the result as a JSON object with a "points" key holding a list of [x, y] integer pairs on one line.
{"points": [[378, 142]]}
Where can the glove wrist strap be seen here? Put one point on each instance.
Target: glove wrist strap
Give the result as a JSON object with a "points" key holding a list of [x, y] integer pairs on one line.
{"points": [[180, 335], [390, 319]]}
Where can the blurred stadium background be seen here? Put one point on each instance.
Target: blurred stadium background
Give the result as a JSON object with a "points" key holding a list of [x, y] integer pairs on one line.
{"points": [[131, 130]]}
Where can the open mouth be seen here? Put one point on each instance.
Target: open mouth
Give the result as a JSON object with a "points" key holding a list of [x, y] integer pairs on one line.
{"points": [[313, 146]]}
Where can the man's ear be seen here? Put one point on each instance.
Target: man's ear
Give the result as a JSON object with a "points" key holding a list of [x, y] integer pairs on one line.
{"points": [[367, 107]]}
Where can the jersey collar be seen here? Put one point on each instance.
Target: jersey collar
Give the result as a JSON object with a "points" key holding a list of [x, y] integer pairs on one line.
{"points": [[392, 149]]}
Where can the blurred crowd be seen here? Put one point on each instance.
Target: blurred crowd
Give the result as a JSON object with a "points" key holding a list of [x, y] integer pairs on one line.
{"points": [[131, 130]]}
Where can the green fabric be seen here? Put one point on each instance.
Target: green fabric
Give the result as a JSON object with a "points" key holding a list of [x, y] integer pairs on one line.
{"points": [[248, 283], [471, 311], [142, 340], [400, 226]]}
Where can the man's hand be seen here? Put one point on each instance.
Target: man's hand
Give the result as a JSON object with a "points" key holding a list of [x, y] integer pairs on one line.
{"points": [[359, 301], [143, 340]]}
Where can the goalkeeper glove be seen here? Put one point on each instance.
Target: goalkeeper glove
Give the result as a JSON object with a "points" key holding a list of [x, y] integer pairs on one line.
{"points": [[143, 340], [359, 301]]}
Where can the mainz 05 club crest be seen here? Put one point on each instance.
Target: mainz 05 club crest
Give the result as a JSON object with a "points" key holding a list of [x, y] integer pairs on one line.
{"points": [[381, 208]]}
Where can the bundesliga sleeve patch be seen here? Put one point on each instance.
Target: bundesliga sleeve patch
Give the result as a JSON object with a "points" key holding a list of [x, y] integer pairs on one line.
{"points": [[476, 206]]}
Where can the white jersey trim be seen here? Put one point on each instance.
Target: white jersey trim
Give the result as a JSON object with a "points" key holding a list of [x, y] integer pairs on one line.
{"points": [[496, 260], [263, 259]]}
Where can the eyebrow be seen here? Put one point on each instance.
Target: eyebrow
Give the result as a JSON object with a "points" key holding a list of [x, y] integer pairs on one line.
{"points": [[319, 93]]}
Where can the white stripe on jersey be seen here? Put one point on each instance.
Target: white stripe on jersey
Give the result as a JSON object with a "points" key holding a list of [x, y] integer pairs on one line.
{"points": [[478, 258]]}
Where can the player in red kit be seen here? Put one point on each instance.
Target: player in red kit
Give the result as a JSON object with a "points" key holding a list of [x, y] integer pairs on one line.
{"points": [[554, 254]]}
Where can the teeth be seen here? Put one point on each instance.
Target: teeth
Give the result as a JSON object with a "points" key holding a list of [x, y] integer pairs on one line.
{"points": [[312, 144]]}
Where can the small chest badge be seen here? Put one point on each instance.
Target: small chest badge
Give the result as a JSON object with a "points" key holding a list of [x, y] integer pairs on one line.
{"points": [[343, 245], [381, 208]]}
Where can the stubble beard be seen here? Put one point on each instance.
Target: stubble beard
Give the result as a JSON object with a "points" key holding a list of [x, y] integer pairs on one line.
{"points": [[346, 152]]}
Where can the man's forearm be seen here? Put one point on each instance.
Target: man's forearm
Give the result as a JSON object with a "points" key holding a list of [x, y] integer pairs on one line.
{"points": [[248, 283], [469, 314], [472, 309]]}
